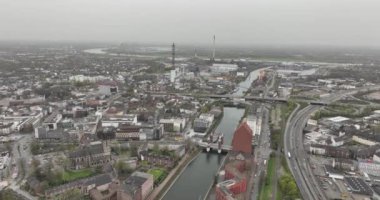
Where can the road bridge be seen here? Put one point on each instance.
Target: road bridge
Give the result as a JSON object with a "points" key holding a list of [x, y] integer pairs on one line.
{"points": [[241, 98], [215, 146]]}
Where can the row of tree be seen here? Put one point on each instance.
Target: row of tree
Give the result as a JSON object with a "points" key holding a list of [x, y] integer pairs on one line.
{"points": [[288, 187]]}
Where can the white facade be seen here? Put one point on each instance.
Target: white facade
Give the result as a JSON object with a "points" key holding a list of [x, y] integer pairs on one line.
{"points": [[338, 119], [82, 78], [336, 143], [107, 89], [178, 123], [312, 122], [363, 141], [317, 150], [240, 74], [116, 121], [207, 117], [223, 68], [370, 168]]}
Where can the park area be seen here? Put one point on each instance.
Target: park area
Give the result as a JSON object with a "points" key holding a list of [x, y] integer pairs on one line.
{"points": [[159, 174], [69, 175]]}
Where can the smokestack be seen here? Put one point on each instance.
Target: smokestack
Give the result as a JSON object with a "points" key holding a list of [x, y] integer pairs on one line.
{"points": [[173, 56], [213, 52]]}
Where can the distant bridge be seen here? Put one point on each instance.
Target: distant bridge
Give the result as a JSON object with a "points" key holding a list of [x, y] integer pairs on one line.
{"points": [[241, 98], [215, 146]]}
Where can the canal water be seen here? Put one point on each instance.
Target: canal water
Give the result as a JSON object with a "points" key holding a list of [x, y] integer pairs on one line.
{"points": [[246, 84], [195, 181]]}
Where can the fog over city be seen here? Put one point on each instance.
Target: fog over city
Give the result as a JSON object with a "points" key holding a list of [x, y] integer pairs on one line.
{"points": [[238, 22], [189, 99]]}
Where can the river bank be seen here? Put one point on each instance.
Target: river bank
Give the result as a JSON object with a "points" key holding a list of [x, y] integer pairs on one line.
{"points": [[175, 173], [161, 190]]}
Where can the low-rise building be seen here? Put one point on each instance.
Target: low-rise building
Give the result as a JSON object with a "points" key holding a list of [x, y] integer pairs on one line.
{"points": [[99, 182], [115, 121], [207, 117], [236, 174], [369, 168], [95, 154], [173, 124], [128, 132], [52, 120], [200, 125], [335, 142], [44, 134], [108, 87], [366, 139], [159, 160]]}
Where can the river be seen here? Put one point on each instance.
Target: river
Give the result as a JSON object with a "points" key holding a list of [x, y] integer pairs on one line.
{"points": [[246, 84], [102, 51], [95, 51], [196, 179]]}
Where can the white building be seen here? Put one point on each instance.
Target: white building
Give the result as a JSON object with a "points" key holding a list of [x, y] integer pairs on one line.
{"points": [[116, 121], [82, 78], [107, 89], [363, 140], [317, 149], [370, 168], [223, 68], [173, 124], [52, 120], [206, 116]]}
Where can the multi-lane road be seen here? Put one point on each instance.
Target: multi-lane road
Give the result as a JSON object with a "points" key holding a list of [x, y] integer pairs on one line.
{"points": [[298, 161]]}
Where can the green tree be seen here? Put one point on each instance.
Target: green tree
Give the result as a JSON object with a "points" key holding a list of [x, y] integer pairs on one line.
{"points": [[35, 147], [7, 195], [288, 187], [134, 150], [156, 149], [123, 170]]}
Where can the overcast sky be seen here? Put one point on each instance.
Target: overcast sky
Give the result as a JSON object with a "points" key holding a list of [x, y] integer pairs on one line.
{"points": [[296, 22]]}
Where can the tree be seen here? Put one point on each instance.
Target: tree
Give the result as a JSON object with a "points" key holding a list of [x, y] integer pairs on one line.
{"points": [[35, 148], [156, 149], [35, 164], [288, 187], [7, 195], [123, 169], [134, 150]]}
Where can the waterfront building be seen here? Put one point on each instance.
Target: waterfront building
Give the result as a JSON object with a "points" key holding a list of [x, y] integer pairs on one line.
{"points": [[242, 140]]}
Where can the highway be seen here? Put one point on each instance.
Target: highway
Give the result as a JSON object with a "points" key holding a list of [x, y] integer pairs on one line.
{"points": [[298, 161]]}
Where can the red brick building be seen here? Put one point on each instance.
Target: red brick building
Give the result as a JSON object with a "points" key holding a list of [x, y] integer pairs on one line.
{"points": [[242, 140], [235, 180]]}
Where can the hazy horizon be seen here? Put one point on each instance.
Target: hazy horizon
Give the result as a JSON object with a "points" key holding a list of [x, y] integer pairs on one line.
{"points": [[236, 23]]}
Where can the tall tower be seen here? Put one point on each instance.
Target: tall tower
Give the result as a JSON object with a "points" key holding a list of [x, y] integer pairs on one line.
{"points": [[173, 56], [213, 51]]}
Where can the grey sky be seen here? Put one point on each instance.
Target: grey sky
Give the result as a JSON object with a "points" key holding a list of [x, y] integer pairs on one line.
{"points": [[325, 22]]}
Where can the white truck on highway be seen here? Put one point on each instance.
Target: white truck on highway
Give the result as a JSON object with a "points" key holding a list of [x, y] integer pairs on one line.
{"points": [[289, 154]]}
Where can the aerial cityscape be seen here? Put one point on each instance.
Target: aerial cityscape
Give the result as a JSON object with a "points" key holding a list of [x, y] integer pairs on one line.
{"points": [[189, 114]]}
